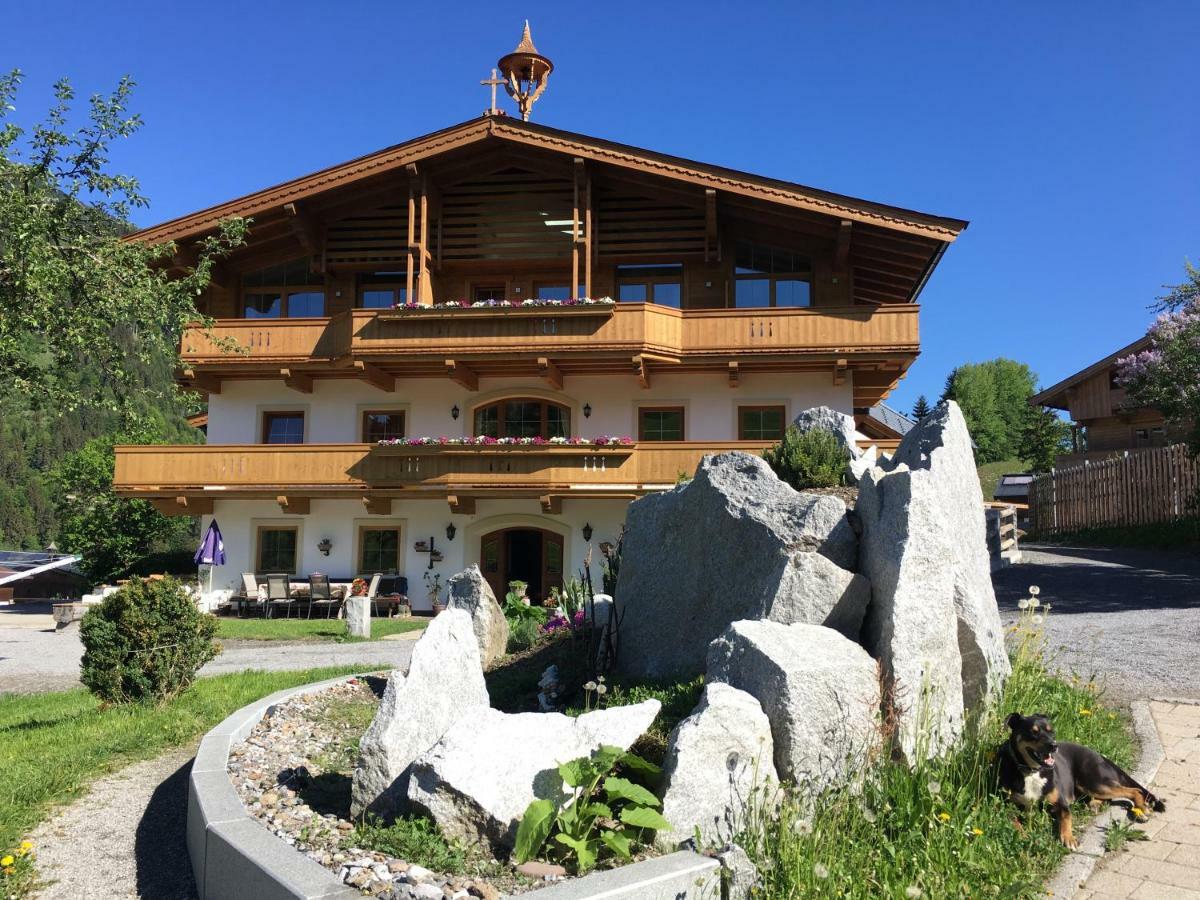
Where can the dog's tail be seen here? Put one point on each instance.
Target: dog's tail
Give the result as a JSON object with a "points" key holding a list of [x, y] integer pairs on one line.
{"points": [[1152, 801]]}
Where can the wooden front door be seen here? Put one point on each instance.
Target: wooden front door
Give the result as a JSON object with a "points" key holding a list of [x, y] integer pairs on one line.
{"points": [[533, 555]]}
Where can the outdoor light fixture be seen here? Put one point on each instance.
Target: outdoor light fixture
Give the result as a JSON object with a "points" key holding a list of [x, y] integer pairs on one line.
{"points": [[587, 531], [454, 411], [451, 531], [587, 410], [325, 546]]}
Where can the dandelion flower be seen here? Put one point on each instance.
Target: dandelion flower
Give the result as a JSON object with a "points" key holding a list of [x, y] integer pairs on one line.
{"points": [[1137, 811], [26, 846], [1084, 711], [1034, 602], [935, 787], [1112, 715], [802, 826], [820, 871], [1023, 603], [944, 816], [977, 831], [1034, 589], [602, 689], [7, 861], [1038, 619], [912, 892], [590, 686], [869, 816]]}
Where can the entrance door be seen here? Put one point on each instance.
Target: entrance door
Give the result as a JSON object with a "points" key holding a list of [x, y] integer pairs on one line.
{"points": [[532, 555]]}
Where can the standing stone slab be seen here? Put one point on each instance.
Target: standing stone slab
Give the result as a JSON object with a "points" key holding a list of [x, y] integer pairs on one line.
{"points": [[719, 759], [479, 779], [358, 617], [839, 423], [819, 690], [727, 545], [469, 591], [939, 448], [444, 682]]}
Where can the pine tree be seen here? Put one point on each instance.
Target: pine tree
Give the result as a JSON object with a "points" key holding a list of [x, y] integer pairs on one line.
{"points": [[921, 408]]}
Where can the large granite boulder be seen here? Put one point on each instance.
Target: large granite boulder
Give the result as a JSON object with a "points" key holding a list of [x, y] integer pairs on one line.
{"points": [[469, 591], [444, 682], [819, 690], [831, 420], [479, 779], [733, 543], [719, 760]]}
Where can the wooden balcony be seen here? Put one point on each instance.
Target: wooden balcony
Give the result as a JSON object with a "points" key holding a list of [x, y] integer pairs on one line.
{"points": [[186, 478]]}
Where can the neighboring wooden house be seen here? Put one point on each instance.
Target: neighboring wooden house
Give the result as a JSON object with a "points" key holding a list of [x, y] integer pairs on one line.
{"points": [[1103, 421], [39, 575], [883, 426]]}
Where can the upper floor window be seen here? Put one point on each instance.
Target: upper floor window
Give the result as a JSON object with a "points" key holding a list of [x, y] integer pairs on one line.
{"points": [[555, 291], [288, 290], [767, 276], [283, 428], [481, 293], [382, 425], [382, 290], [523, 417], [662, 284]]}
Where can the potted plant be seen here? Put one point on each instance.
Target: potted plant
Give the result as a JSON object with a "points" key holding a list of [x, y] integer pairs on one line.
{"points": [[433, 583]]}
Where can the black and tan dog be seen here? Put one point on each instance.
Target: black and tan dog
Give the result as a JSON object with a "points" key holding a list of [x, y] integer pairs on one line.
{"points": [[1036, 768]]}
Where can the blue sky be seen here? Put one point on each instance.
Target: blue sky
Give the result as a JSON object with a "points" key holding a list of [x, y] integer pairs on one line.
{"points": [[1065, 132]]}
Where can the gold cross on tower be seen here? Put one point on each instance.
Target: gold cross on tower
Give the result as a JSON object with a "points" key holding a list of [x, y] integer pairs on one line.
{"points": [[495, 83]]}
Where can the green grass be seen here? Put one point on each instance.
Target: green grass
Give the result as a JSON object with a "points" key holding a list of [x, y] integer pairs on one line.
{"points": [[1181, 535], [310, 629], [53, 745], [942, 828], [989, 475], [415, 840]]}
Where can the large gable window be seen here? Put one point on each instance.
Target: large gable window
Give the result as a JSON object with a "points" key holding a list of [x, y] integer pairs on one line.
{"points": [[519, 417], [288, 290], [768, 276], [662, 284]]}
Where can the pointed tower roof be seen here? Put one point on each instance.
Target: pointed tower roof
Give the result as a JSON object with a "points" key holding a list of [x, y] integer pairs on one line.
{"points": [[526, 44]]}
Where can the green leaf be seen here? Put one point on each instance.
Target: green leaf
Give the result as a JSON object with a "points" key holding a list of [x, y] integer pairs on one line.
{"points": [[606, 757], [585, 851], [595, 810], [533, 830], [644, 817], [617, 842], [624, 789], [575, 772], [635, 763]]}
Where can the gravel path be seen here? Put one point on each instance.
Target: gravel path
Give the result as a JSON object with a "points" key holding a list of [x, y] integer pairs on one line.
{"points": [[1131, 617], [124, 839]]}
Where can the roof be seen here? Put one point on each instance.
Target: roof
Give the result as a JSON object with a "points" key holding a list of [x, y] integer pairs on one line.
{"points": [[1055, 396], [893, 419], [504, 128], [18, 564]]}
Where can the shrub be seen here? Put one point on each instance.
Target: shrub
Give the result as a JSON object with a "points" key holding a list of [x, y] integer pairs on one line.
{"points": [[808, 459], [146, 641]]}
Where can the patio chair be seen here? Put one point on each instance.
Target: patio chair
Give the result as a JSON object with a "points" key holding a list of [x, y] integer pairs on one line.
{"points": [[373, 592], [321, 594], [250, 589], [279, 593]]}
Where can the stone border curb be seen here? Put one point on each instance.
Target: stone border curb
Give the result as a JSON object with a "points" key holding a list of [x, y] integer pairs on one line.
{"points": [[234, 857], [1078, 865]]}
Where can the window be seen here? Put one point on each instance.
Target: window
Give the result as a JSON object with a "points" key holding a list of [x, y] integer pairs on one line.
{"points": [[382, 290], [482, 292], [766, 276], [662, 284], [379, 550], [660, 423], [289, 290], [283, 428], [551, 291], [760, 423], [382, 425], [523, 417], [277, 549]]}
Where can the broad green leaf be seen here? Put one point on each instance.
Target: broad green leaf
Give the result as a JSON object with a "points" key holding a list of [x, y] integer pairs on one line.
{"points": [[568, 816], [617, 842], [533, 830], [575, 772], [606, 757], [585, 851], [596, 810], [624, 789], [635, 763], [644, 817]]}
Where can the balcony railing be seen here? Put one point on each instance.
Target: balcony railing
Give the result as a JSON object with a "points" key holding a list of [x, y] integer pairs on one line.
{"points": [[346, 469], [625, 328]]}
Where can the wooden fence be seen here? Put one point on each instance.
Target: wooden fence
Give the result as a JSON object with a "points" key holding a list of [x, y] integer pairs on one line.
{"points": [[1141, 488]]}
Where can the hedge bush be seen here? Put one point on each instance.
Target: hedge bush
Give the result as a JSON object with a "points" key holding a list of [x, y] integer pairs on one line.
{"points": [[808, 459], [145, 642]]}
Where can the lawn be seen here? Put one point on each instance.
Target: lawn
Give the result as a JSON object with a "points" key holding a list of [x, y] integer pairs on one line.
{"points": [[989, 474], [309, 629], [53, 745]]}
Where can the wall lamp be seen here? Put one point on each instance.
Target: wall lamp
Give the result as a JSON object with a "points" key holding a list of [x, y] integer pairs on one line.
{"points": [[587, 531], [451, 531], [325, 546], [454, 411], [587, 410]]}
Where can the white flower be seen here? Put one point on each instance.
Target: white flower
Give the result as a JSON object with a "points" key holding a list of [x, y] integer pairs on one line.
{"points": [[935, 787], [1034, 602], [802, 826], [1034, 589], [869, 815], [590, 686], [912, 892], [602, 689], [1038, 619], [1023, 603], [820, 871]]}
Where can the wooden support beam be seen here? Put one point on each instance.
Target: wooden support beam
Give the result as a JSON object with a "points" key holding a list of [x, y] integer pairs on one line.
{"points": [[412, 233], [297, 381], [205, 384], [840, 368], [463, 506], [551, 504], [578, 188], [841, 252], [588, 243], [195, 506], [305, 228], [298, 506], [424, 282], [550, 373], [377, 506], [642, 371], [462, 375], [374, 375], [733, 374], [710, 226]]}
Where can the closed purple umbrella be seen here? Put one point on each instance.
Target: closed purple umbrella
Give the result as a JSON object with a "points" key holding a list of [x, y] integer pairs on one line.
{"points": [[212, 550]]}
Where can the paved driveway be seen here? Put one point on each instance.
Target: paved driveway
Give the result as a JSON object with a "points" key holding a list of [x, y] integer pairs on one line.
{"points": [[1130, 616], [34, 658]]}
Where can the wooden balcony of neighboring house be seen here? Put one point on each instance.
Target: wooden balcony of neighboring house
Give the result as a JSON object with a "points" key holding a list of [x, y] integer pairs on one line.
{"points": [[876, 343], [186, 479]]}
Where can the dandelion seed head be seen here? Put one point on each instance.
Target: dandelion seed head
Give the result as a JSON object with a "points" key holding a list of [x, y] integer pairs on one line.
{"points": [[935, 787], [912, 892], [1034, 590], [1023, 603], [1039, 619], [820, 871]]}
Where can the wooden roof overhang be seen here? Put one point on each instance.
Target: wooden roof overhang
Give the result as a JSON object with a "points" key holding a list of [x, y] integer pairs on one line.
{"points": [[1056, 397], [891, 251]]}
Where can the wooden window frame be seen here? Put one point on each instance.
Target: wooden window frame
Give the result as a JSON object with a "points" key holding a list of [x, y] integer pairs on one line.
{"points": [[538, 286], [262, 527], [397, 288], [285, 298], [476, 283], [365, 413], [650, 280], [772, 278], [674, 408], [761, 407], [363, 528], [545, 422], [268, 414]]}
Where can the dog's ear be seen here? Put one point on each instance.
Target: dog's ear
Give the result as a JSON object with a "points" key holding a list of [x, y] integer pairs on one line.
{"points": [[1043, 716], [1013, 719]]}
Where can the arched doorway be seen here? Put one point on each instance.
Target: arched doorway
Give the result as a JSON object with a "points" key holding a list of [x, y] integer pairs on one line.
{"points": [[532, 555]]}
